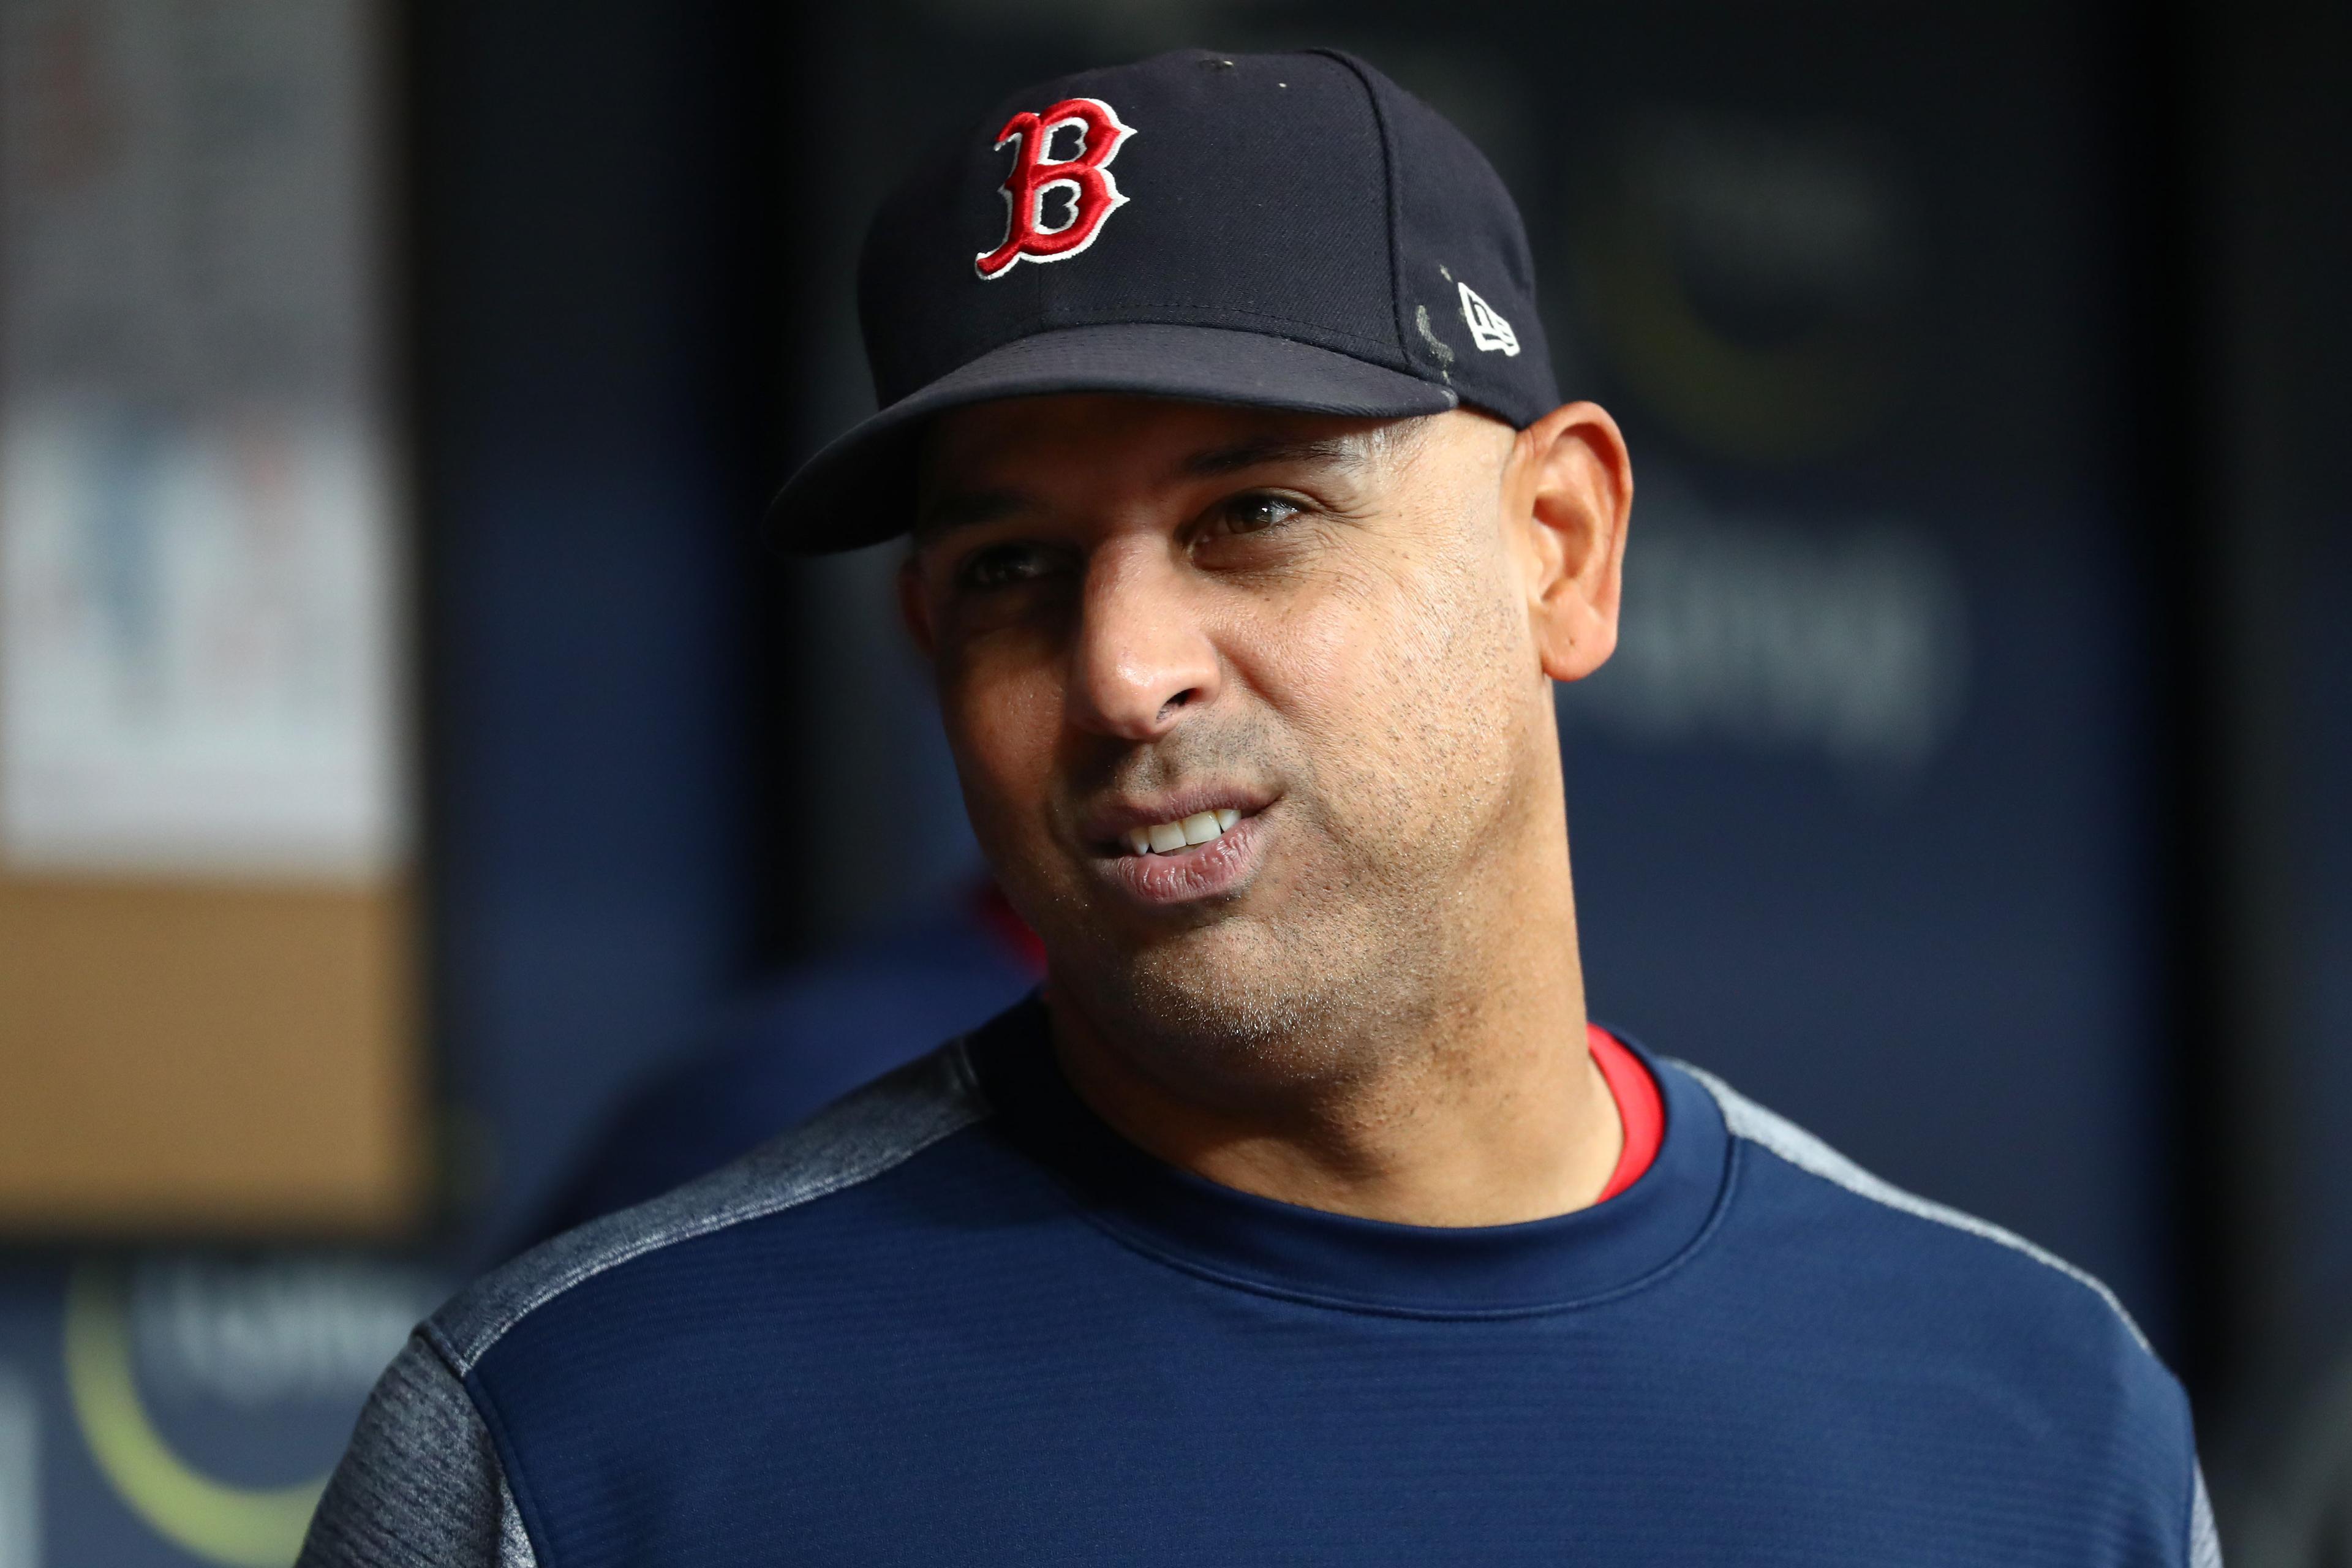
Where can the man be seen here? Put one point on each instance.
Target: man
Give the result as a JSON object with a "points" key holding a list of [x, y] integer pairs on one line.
{"points": [[1301, 1217]]}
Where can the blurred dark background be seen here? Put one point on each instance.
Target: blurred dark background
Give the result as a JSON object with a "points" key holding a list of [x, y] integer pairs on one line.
{"points": [[1962, 789]]}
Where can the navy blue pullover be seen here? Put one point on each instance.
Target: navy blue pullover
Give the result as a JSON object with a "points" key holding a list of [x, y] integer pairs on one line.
{"points": [[957, 1319]]}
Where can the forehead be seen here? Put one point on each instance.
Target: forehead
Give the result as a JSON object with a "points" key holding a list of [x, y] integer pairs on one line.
{"points": [[1027, 443]]}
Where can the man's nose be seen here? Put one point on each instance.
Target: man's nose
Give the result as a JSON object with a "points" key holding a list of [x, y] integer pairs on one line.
{"points": [[1141, 658]]}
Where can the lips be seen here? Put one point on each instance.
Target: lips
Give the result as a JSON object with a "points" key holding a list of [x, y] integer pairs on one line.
{"points": [[1191, 872], [1182, 845]]}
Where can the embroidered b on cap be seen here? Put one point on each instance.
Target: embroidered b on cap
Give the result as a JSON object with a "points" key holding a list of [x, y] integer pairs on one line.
{"points": [[1037, 173]]}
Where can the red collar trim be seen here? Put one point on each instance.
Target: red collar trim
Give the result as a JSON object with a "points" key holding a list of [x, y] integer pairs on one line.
{"points": [[1640, 1111]]}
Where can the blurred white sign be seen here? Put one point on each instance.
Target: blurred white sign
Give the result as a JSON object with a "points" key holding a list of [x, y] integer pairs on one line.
{"points": [[293, 1326], [197, 563], [1847, 641]]}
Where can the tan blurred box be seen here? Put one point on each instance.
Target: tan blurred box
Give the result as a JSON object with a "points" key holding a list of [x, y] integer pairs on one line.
{"points": [[218, 1060]]}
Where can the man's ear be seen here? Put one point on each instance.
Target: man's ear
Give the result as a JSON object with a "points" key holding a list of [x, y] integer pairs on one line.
{"points": [[1569, 490], [914, 610]]}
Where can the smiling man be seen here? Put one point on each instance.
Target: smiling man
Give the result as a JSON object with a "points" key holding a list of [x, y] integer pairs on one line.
{"points": [[1254, 711], [1301, 1217]]}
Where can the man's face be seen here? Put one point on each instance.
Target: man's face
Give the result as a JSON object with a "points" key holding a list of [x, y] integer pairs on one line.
{"points": [[1245, 705]]}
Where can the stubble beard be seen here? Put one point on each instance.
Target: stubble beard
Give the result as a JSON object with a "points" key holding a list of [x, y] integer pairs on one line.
{"points": [[1302, 999], [1349, 969]]}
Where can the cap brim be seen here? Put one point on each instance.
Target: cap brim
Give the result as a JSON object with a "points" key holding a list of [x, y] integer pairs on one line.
{"points": [[860, 490]]}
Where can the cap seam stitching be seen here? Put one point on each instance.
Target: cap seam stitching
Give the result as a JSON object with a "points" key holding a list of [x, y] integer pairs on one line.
{"points": [[1393, 198]]}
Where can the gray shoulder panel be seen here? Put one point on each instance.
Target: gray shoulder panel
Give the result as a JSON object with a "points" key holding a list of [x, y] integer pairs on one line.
{"points": [[890, 1120], [1748, 1120], [421, 1486]]}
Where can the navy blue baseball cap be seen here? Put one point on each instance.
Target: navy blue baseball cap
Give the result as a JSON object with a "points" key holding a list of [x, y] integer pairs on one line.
{"points": [[1280, 231]]}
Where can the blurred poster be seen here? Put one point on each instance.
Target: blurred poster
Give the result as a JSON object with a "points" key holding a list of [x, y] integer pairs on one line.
{"points": [[197, 564], [20, 1476], [167, 1409]]}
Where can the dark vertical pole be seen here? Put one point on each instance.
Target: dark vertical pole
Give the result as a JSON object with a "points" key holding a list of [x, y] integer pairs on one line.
{"points": [[783, 63], [2155, 121], [763, 63], [2204, 206], [2272, 169]]}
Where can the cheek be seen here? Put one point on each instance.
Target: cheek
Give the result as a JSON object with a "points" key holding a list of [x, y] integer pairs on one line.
{"points": [[1304, 660], [1399, 679], [1001, 718], [1318, 664]]}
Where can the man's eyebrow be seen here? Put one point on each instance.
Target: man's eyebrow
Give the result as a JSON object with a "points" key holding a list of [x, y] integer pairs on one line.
{"points": [[958, 510], [1347, 451]]}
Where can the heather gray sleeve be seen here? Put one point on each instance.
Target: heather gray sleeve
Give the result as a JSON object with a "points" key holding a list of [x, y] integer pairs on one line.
{"points": [[421, 1486]]}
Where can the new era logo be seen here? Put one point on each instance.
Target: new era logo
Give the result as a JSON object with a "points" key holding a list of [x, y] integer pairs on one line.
{"points": [[1488, 329]]}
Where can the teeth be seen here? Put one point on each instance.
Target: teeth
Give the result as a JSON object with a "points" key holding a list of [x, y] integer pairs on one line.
{"points": [[1165, 838]]}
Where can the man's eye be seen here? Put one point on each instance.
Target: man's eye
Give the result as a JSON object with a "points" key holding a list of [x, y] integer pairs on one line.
{"points": [[1002, 565], [1254, 514]]}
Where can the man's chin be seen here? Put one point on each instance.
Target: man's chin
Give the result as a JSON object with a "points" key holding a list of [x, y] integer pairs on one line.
{"points": [[1209, 989]]}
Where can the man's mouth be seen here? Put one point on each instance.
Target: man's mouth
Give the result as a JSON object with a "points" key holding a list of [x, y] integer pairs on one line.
{"points": [[1190, 855], [1167, 837]]}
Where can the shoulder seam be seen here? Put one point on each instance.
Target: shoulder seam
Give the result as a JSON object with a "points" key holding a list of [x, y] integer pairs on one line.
{"points": [[1749, 1121], [882, 1126]]}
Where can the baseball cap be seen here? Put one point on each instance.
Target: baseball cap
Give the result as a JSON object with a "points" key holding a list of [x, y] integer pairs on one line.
{"points": [[1289, 231]]}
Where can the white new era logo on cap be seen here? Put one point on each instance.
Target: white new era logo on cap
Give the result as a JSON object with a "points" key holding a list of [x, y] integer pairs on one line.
{"points": [[1488, 329]]}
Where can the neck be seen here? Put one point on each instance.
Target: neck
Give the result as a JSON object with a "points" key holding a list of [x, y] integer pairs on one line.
{"points": [[1478, 1105]]}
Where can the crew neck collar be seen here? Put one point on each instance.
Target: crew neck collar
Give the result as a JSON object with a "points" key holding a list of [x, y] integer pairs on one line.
{"points": [[1336, 1261]]}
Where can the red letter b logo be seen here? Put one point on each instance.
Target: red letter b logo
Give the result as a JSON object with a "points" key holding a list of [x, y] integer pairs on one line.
{"points": [[1086, 174]]}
